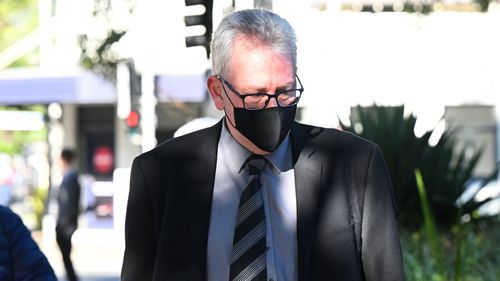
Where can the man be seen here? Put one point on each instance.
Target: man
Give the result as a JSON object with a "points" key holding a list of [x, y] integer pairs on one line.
{"points": [[20, 257], [69, 204], [259, 196]]}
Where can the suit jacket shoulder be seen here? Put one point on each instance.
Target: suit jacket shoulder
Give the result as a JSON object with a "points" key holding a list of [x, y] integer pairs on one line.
{"points": [[338, 150], [330, 138], [352, 195], [167, 161], [160, 185], [184, 145]]}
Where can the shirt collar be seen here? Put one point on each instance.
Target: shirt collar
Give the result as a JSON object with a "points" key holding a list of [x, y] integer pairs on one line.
{"points": [[236, 154], [281, 158]]}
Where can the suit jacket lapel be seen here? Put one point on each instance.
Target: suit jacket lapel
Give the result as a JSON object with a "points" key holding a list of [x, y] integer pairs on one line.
{"points": [[200, 184], [308, 173]]}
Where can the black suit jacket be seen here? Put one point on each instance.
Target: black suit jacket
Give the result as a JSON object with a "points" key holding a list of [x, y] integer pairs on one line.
{"points": [[346, 228], [68, 200]]}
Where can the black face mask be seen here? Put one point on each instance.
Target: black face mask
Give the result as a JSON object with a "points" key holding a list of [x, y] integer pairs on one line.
{"points": [[267, 127]]}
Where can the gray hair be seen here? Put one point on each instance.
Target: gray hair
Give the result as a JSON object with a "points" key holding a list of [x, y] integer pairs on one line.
{"points": [[267, 27]]}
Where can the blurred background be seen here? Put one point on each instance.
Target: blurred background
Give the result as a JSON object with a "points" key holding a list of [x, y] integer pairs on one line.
{"points": [[114, 78]]}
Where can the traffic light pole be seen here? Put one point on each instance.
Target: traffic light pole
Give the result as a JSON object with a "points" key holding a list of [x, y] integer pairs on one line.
{"points": [[148, 111], [263, 4]]}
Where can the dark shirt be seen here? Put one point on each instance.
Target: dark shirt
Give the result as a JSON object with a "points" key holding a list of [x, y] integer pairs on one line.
{"points": [[20, 257], [68, 200]]}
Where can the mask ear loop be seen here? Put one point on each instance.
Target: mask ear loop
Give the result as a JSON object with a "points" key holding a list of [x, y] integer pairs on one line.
{"points": [[224, 89]]}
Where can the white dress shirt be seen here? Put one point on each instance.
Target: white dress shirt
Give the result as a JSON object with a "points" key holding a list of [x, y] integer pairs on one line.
{"points": [[280, 205]]}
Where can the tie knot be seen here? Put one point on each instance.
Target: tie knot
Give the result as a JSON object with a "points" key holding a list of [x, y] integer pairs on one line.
{"points": [[255, 164]]}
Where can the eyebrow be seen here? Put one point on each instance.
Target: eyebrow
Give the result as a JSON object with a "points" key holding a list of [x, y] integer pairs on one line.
{"points": [[285, 86]]}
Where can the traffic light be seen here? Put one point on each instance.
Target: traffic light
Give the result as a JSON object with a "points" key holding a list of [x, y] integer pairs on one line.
{"points": [[205, 20], [133, 120]]}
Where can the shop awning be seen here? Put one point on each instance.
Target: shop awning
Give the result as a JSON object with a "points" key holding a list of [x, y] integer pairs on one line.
{"points": [[36, 86]]}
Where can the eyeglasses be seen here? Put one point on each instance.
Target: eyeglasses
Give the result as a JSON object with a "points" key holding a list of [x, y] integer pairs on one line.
{"points": [[284, 98]]}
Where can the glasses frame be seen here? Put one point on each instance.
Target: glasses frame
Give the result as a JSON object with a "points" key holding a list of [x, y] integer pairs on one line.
{"points": [[275, 95]]}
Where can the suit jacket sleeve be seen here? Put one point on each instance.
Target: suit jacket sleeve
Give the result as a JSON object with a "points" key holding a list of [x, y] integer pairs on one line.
{"points": [[380, 248], [140, 249]]}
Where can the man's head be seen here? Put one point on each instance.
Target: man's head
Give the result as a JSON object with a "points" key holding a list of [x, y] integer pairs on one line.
{"points": [[67, 157], [262, 27], [254, 51]]}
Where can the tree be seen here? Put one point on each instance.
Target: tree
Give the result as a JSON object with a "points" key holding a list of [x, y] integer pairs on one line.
{"points": [[97, 53], [446, 171], [17, 19]]}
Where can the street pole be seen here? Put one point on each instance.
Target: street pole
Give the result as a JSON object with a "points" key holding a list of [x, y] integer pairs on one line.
{"points": [[148, 111], [263, 4]]}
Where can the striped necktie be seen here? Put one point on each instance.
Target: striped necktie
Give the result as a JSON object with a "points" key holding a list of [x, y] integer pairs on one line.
{"points": [[248, 257]]}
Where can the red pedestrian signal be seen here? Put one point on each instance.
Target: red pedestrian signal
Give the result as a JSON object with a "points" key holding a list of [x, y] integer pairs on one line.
{"points": [[133, 119]]}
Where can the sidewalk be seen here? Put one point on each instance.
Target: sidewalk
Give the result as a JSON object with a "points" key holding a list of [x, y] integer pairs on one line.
{"points": [[97, 253]]}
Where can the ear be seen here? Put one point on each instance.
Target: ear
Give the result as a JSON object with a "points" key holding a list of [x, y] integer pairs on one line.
{"points": [[214, 86]]}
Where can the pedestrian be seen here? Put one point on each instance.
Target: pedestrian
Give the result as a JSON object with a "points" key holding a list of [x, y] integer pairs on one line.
{"points": [[68, 200], [20, 256], [259, 196]]}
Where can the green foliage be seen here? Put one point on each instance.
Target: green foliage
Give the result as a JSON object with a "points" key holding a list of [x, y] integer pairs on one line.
{"points": [[446, 172], [17, 19], [483, 4], [479, 257], [98, 56], [469, 252], [98, 53], [38, 199], [430, 226], [13, 142]]}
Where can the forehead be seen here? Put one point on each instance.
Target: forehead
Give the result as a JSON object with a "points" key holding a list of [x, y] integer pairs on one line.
{"points": [[253, 60]]}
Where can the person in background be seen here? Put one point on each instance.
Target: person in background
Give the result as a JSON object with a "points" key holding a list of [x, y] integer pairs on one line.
{"points": [[259, 196], [68, 200], [20, 256]]}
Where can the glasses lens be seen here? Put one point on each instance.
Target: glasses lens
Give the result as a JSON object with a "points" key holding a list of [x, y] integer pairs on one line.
{"points": [[254, 102], [288, 98]]}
